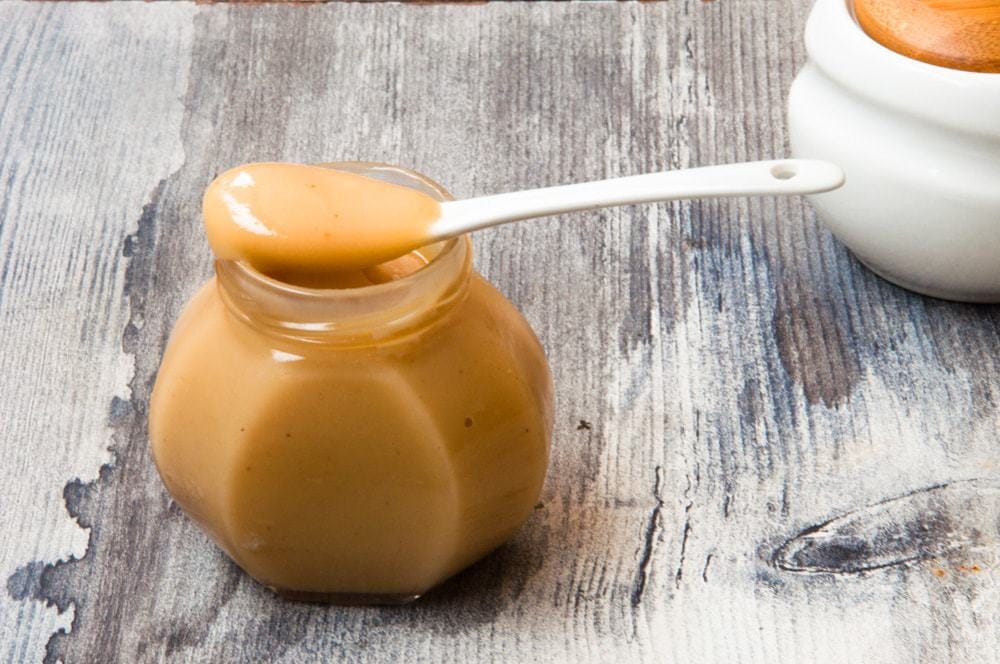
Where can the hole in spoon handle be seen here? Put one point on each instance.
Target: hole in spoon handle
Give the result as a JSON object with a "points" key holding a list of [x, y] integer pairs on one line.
{"points": [[784, 171]]}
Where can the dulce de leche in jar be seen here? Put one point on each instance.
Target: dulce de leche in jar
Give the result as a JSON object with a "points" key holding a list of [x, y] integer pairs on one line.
{"points": [[354, 436]]}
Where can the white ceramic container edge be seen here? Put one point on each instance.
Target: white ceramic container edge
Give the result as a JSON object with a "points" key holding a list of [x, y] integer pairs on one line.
{"points": [[920, 146]]}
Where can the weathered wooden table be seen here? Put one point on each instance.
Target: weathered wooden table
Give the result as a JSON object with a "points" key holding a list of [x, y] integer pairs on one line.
{"points": [[729, 378]]}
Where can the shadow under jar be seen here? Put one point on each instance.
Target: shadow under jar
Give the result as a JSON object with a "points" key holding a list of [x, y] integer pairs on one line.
{"points": [[354, 445]]}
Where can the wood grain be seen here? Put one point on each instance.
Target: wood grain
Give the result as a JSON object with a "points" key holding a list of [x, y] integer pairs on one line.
{"points": [[961, 34], [738, 399]]}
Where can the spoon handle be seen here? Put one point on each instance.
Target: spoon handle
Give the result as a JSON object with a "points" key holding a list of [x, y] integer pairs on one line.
{"points": [[758, 178]]}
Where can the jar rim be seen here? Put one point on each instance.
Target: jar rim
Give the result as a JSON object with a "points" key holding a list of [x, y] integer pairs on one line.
{"points": [[245, 271], [965, 101], [358, 315]]}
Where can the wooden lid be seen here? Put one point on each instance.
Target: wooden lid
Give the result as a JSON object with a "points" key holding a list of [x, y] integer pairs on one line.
{"points": [[960, 34]]}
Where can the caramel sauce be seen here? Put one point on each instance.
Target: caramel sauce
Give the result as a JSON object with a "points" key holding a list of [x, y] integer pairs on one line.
{"points": [[363, 472], [296, 218]]}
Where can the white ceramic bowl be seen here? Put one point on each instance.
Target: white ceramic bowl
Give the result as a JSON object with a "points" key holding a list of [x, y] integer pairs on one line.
{"points": [[920, 146]]}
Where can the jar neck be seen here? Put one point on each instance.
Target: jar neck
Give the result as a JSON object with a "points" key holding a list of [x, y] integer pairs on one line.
{"points": [[364, 316]]}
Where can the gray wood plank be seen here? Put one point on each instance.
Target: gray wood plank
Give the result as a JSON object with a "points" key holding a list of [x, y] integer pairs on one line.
{"points": [[728, 378], [90, 114]]}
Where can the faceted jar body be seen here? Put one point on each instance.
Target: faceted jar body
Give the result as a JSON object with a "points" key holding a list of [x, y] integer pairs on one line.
{"points": [[354, 446]]}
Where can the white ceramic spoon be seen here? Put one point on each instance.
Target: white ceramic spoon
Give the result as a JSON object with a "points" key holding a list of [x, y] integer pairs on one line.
{"points": [[301, 218], [758, 178]]}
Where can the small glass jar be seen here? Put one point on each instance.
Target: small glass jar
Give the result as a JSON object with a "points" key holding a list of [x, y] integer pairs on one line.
{"points": [[355, 445]]}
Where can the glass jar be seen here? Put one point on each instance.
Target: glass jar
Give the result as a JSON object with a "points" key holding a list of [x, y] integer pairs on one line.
{"points": [[355, 445]]}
